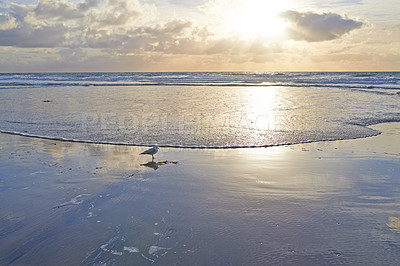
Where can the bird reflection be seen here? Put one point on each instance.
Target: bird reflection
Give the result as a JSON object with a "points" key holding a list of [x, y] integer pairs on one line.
{"points": [[156, 165], [151, 164]]}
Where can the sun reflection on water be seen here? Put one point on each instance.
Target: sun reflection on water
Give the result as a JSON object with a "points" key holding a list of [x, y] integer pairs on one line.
{"points": [[262, 104]]}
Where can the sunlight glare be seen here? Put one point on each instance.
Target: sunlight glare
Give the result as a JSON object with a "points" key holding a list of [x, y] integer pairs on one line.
{"points": [[255, 18], [262, 104]]}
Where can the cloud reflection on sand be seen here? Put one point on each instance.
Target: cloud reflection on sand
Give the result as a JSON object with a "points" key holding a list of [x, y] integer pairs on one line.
{"points": [[394, 224], [96, 157]]}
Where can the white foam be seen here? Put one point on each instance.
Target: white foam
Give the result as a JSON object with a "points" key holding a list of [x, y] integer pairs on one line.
{"points": [[370, 133], [37, 172], [152, 261], [131, 249], [118, 253], [103, 247], [77, 200], [154, 249]]}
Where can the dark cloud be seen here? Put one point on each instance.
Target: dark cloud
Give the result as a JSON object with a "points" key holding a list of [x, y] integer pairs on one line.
{"points": [[31, 28], [88, 4], [26, 36], [312, 27]]}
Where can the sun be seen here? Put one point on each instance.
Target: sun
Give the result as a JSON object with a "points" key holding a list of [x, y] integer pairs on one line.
{"points": [[252, 19]]}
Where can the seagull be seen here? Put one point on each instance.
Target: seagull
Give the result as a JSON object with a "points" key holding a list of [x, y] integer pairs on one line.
{"points": [[151, 151]]}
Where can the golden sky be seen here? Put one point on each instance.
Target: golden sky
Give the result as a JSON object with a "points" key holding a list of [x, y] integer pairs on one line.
{"points": [[199, 35]]}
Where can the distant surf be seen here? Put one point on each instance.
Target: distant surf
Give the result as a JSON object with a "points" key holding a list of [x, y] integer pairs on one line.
{"points": [[347, 80]]}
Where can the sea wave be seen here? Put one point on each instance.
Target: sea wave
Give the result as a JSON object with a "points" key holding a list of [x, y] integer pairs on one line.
{"points": [[374, 133], [381, 80], [383, 89]]}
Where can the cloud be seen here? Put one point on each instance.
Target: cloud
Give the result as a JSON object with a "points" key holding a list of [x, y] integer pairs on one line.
{"points": [[116, 12], [73, 55], [20, 28], [99, 12], [52, 23], [7, 22], [117, 26], [237, 46], [27, 36], [133, 35], [159, 37], [58, 9], [338, 3], [312, 27]]}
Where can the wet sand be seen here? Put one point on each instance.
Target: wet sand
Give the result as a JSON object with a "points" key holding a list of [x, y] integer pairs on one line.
{"points": [[329, 203]]}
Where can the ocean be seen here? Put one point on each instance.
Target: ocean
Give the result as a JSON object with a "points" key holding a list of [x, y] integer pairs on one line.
{"points": [[198, 110], [321, 203]]}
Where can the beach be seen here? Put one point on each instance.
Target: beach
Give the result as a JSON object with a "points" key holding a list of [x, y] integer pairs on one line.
{"points": [[205, 132], [321, 203]]}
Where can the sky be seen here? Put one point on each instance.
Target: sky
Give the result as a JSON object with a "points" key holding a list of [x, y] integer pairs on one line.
{"points": [[199, 35]]}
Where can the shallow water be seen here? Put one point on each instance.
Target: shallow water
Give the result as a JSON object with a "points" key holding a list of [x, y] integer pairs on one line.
{"points": [[309, 204], [196, 116]]}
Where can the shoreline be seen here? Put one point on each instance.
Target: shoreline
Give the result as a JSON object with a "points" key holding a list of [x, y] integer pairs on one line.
{"points": [[193, 147], [331, 202]]}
